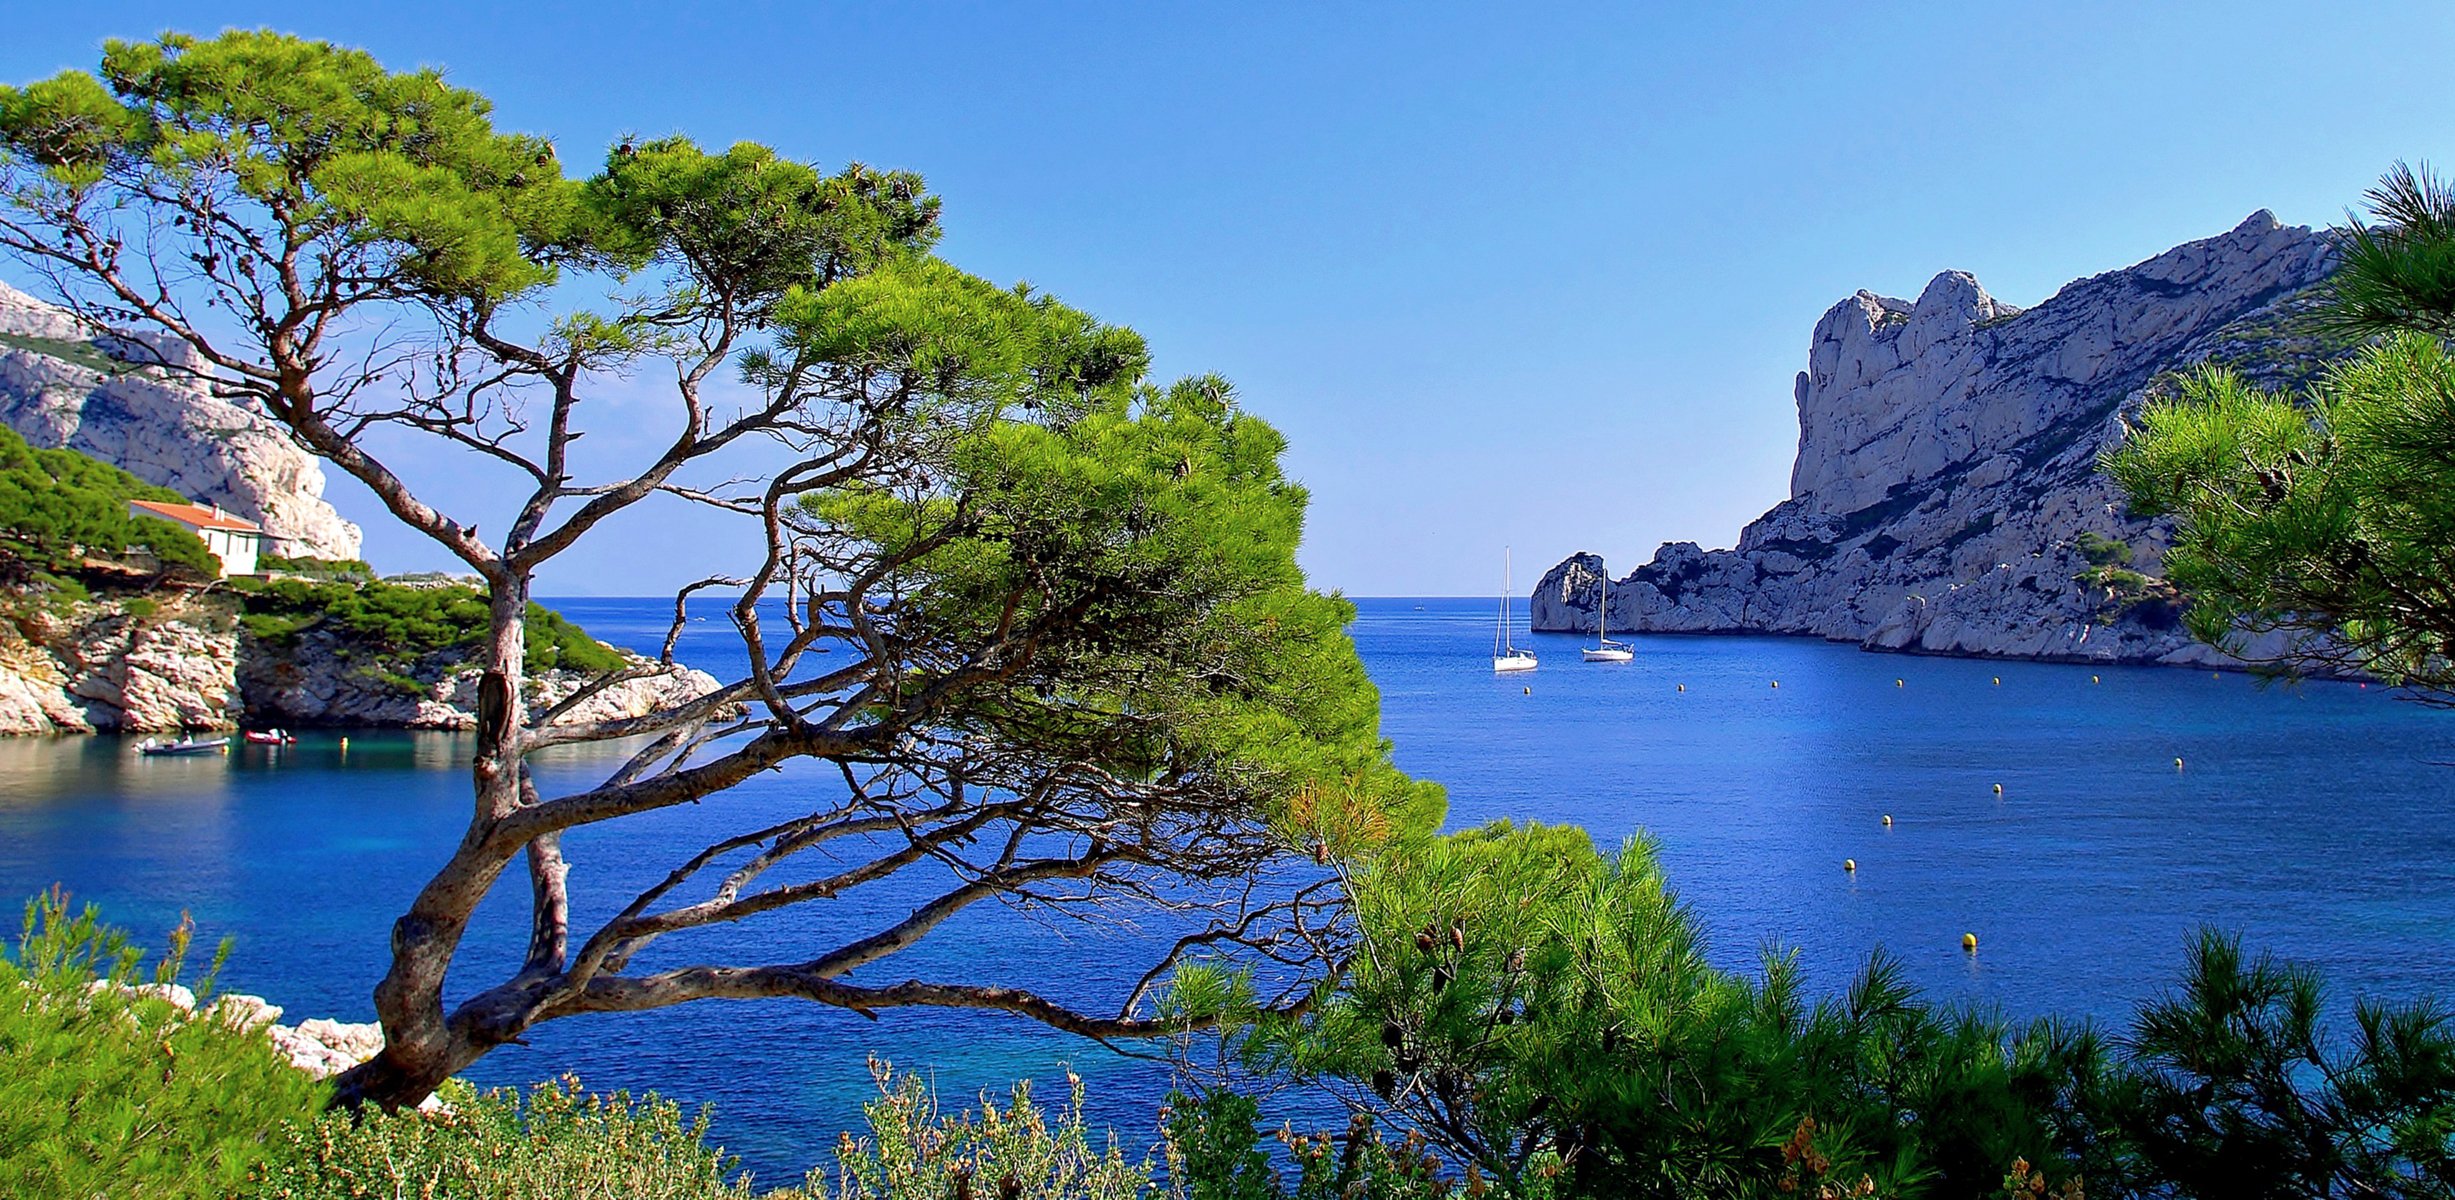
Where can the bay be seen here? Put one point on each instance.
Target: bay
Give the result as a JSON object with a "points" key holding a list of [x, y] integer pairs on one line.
{"points": [[2309, 818]]}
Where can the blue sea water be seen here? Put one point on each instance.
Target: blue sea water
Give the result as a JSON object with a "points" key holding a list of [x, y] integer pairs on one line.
{"points": [[2309, 818]]}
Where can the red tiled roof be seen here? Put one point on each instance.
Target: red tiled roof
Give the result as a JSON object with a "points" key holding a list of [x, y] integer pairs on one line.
{"points": [[197, 516]]}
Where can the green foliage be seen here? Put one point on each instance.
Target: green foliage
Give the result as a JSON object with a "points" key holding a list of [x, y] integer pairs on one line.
{"points": [[109, 1091], [82, 354], [555, 643], [1022, 1152], [402, 172], [1152, 534], [2330, 514], [557, 1143], [2398, 269], [2239, 1093], [1215, 1153], [402, 623], [2102, 551], [1543, 1012], [333, 570], [1539, 1013], [58, 504]]}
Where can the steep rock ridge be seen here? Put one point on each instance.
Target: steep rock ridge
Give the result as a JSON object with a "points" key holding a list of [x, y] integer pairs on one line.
{"points": [[1947, 464], [59, 387], [183, 663]]}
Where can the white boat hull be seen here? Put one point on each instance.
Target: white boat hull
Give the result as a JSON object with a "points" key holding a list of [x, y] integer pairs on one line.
{"points": [[1514, 662], [1591, 654]]}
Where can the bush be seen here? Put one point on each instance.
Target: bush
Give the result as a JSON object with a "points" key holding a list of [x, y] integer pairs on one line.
{"points": [[2236, 1092], [559, 1143], [1539, 1013], [2102, 551], [1544, 1013], [335, 570], [1215, 1153], [108, 1092], [403, 623], [913, 1152]]}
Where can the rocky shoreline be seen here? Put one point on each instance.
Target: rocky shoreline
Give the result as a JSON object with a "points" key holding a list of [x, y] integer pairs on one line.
{"points": [[1946, 498], [169, 662], [319, 1047]]}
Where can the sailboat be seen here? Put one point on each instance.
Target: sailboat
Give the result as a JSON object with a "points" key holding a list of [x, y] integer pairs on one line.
{"points": [[1604, 649], [1506, 656]]}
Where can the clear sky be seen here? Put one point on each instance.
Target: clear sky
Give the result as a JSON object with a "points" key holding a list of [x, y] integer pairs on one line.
{"points": [[1504, 276]]}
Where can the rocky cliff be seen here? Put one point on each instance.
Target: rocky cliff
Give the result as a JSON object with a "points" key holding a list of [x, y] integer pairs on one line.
{"points": [[173, 661], [61, 386], [1946, 497]]}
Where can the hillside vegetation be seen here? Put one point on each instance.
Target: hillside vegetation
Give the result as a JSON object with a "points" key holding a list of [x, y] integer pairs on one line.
{"points": [[400, 622], [58, 506]]}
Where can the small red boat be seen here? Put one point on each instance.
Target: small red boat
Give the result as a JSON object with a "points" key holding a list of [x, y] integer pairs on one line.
{"points": [[270, 737]]}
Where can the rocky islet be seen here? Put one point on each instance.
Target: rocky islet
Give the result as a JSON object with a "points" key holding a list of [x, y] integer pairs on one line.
{"points": [[1946, 497]]}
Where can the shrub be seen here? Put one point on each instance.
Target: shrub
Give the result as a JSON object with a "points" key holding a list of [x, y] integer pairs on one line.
{"points": [[337, 570], [401, 623], [108, 1092], [559, 1143], [2102, 551], [1544, 1014], [1215, 1153], [2236, 1091], [913, 1152]]}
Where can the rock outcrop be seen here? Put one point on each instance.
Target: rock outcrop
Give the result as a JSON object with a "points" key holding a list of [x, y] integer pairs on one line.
{"points": [[60, 386], [181, 661], [1946, 497], [319, 1047]]}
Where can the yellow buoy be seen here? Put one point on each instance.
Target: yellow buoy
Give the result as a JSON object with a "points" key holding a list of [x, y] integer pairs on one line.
{"points": [[2214, 675], [1887, 820], [1969, 942], [1899, 683], [1683, 687], [1998, 681], [2092, 679], [1849, 864], [1998, 789], [1530, 689], [2177, 764], [1777, 683]]}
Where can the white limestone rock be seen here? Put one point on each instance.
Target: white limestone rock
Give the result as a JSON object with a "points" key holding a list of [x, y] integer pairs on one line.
{"points": [[1947, 464], [165, 430], [96, 667]]}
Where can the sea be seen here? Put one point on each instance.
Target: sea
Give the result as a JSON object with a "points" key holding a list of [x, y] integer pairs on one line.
{"points": [[2082, 821]]}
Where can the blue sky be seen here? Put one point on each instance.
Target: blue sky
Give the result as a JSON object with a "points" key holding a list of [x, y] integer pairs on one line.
{"points": [[1503, 278]]}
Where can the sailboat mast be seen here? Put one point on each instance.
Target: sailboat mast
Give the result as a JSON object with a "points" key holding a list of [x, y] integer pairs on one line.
{"points": [[1602, 615], [1505, 585]]}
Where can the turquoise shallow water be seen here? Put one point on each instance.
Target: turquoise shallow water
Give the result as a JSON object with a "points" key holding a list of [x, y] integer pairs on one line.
{"points": [[2312, 819]]}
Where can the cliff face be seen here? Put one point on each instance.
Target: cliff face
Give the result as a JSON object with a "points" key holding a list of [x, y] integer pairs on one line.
{"points": [[59, 388], [174, 662], [1946, 496]]}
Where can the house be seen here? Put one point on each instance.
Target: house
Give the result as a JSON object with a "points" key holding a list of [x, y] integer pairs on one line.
{"points": [[233, 540]]}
